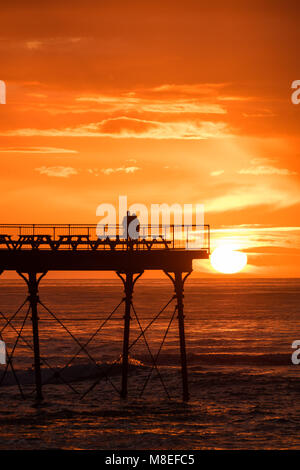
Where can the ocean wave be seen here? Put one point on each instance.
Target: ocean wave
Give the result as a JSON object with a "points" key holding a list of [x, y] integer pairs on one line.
{"points": [[72, 373], [277, 359], [88, 371]]}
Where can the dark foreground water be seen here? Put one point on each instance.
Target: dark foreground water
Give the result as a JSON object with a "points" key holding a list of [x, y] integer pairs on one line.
{"points": [[245, 391]]}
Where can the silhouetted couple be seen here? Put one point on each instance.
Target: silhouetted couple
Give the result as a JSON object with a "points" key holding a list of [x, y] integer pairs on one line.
{"points": [[131, 226]]}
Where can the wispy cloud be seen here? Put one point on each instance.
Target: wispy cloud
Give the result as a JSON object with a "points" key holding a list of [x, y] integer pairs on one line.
{"points": [[188, 88], [236, 98], [37, 95], [50, 42], [244, 197], [258, 239], [57, 171], [93, 171], [125, 127], [264, 166], [130, 102], [217, 173], [244, 228], [33, 44], [198, 99], [128, 169], [266, 170], [47, 150], [264, 113]]}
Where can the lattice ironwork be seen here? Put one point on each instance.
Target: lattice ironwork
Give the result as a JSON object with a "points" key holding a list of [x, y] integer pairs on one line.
{"points": [[31, 304]]}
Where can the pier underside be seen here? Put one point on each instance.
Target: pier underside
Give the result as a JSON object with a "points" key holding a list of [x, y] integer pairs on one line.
{"points": [[33, 255]]}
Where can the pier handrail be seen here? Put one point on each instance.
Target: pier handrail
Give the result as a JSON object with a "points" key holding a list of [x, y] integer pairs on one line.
{"points": [[103, 236]]}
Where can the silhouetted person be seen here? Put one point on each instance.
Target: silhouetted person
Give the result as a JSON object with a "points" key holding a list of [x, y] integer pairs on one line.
{"points": [[125, 224], [134, 227], [131, 226]]}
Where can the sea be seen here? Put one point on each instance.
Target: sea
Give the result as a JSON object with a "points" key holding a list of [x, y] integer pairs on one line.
{"points": [[244, 388]]}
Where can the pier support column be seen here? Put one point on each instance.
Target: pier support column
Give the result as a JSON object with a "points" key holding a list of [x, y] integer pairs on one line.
{"points": [[33, 299], [33, 282], [129, 282], [128, 299], [179, 296], [178, 282]]}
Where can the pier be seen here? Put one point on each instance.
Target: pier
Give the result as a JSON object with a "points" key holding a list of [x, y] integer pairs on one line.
{"points": [[33, 250]]}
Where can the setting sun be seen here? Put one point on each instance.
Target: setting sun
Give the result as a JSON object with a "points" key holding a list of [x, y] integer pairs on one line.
{"points": [[228, 261]]}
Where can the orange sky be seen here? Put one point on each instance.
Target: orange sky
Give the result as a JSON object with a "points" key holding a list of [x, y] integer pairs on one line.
{"points": [[167, 101]]}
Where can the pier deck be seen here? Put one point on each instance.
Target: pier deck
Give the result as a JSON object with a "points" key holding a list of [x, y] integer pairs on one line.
{"points": [[41, 248]]}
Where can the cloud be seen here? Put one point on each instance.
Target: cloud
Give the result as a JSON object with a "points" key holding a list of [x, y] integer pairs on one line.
{"points": [[130, 102], [57, 171], [254, 196], [264, 166], [46, 150], [93, 171], [258, 240], [51, 42], [37, 95], [193, 89], [256, 227], [164, 99], [128, 169], [167, 99], [217, 173], [125, 127], [266, 170], [265, 113], [33, 44], [236, 98]]}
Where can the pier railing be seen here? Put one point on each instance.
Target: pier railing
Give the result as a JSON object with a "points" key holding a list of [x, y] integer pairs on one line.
{"points": [[103, 237]]}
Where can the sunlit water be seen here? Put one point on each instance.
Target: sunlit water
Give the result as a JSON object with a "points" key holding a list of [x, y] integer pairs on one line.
{"points": [[244, 388]]}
